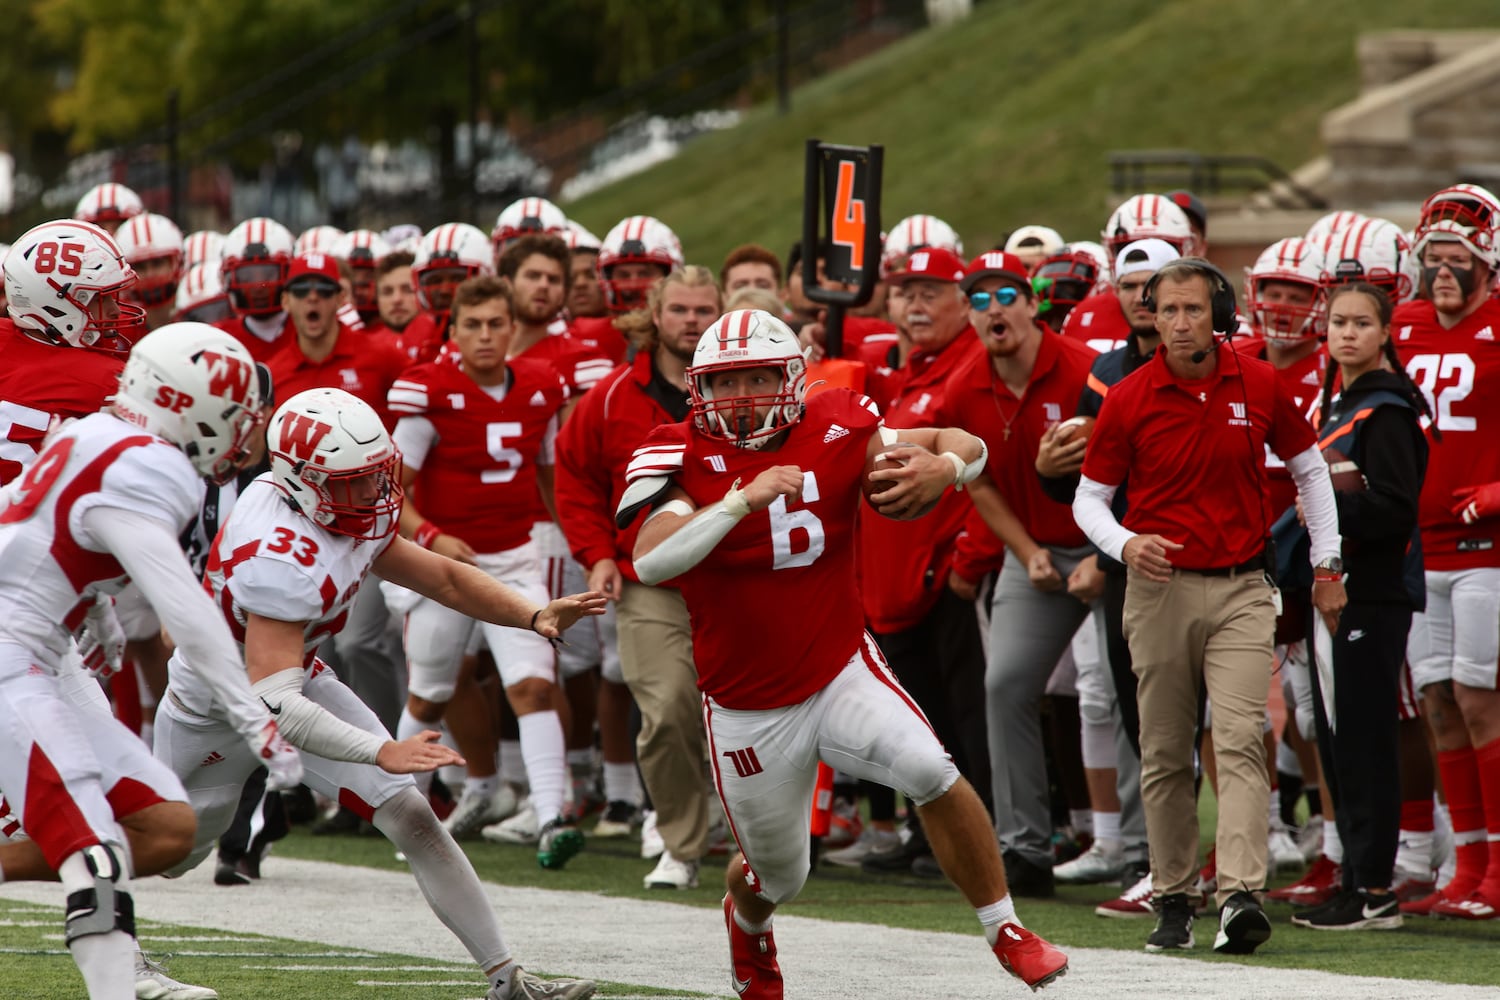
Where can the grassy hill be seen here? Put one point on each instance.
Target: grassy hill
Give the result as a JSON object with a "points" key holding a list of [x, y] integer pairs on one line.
{"points": [[1006, 118]]}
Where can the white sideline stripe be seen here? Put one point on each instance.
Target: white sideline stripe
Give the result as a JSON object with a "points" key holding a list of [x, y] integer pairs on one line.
{"points": [[673, 947], [413, 982], [357, 968], [204, 938], [28, 923], [208, 954]]}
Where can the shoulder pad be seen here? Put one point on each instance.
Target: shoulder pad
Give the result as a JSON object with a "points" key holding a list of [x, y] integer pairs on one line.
{"points": [[640, 493]]}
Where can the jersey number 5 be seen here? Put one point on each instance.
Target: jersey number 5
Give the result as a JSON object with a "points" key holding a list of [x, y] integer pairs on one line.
{"points": [[796, 535], [509, 458]]}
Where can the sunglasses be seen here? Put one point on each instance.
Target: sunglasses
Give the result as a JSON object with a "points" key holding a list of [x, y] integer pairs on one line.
{"points": [[1006, 296], [302, 289]]}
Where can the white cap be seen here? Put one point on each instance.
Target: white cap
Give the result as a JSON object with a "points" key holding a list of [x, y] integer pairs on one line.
{"points": [[1049, 240], [1157, 254]]}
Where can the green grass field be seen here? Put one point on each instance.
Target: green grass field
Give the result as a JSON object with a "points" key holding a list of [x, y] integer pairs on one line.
{"points": [[1007, 118]]}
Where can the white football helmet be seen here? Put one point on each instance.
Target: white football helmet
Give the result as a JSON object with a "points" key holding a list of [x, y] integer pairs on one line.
{"points": [[332, 457], [195, 386], [257, 254], [1373, 251], [108, 205], [1036, 243], [446, 251], [1101, 257], [57, 272], [579, 238], [640, 239], [318, 239], [527, 215], [1334, 222], [360, 248], [747, 338], [914, 233], [203, 246], [1292, 261], [151, 237], [201, 297], [1149, 216], [1463, 213]]}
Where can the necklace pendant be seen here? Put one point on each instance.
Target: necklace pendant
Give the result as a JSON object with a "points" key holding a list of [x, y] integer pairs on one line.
{"points": [[1007, 433]]}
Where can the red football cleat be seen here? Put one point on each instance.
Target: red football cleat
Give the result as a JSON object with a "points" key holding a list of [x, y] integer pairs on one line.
{"points": [[1424, 906], [1321, 883], [1029, 958], [1475, 906], [752, 960]]}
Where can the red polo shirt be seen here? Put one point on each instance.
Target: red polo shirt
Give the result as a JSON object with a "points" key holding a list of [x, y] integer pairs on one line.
{"points": [[1012, 428], [1194, 455], [361, 363]]}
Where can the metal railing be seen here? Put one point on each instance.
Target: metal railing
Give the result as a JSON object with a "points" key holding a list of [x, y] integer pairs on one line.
{"points": [[1208, 175]]}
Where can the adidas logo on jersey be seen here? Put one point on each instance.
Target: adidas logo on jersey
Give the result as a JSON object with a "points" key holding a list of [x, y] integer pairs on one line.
{"points": [[539, 398], [835, 431], [1312, 378], [716, 462], [213, 758], [1485, 334]]}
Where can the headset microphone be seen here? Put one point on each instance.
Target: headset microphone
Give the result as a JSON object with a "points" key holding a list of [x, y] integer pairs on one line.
{"points": [[1197, 356]]}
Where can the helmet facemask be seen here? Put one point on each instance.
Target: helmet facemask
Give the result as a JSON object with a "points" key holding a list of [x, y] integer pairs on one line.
{"points": [[733, 418]]}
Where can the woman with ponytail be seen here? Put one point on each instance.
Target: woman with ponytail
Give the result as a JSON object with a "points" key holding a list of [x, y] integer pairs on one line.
{"points": [[1373, 427]]}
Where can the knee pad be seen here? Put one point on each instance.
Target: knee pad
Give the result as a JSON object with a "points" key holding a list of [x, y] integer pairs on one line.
{"points": [[433, 684], [106, 905], [923, 777]]}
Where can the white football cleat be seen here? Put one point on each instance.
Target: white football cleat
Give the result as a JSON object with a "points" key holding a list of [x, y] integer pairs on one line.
{"points": [[153, 983], [651, 843], [476, 811], [522, 828], [525, 986], [670, 873], [1104, 861]]}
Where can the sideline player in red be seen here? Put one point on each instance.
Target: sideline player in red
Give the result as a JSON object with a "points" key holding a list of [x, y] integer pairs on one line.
{"points": [[777, 701]]}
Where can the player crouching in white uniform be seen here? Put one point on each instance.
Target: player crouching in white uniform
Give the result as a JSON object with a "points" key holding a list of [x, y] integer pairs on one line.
{"points": [[287, 564], [103, 503]]}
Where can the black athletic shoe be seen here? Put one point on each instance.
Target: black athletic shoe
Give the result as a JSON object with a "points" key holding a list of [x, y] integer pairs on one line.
{"points": [[1174, 924], [1027, 878], [1243, 925], [1353, 910]]}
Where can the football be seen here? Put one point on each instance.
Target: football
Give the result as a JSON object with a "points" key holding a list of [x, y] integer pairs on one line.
{"points": [[1345, 474], [874, 486], [1075, 427]]}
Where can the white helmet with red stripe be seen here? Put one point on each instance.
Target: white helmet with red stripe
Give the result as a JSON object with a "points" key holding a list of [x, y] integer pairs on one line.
{"points": [[108, 205], [204, 246], [640, 239], [527, 215], [916, 232], [1149, 216], [1287, 315], [333, 459], [447, 256], [579, 238], [1373, 251], [1463, 213], [201, 296], [195, 386], [1334, 222], [360, 248], [60, 274], [149, 238], [257, 254], [318, 239], [747, 338]]}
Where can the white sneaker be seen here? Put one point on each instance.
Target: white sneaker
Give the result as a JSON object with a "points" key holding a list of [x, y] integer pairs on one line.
{"points": [[1310, 838], [153, 983], [1104, 861], [525, 986], [1282, 851], [522, 828], [476, 811], [871, 841], [652, 845], [670, 873]]}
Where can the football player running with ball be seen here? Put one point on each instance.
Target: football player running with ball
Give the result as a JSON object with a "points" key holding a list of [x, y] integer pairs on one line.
{"points": [[284, 570], [815, 688]]}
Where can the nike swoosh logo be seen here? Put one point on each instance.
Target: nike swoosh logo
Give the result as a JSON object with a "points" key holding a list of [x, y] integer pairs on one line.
{"points": [[274, 711], [740, 985], [1370, 914]]}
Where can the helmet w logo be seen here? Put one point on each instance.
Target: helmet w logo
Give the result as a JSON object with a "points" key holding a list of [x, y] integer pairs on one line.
{"points": [[228, 377], [301, 435]]}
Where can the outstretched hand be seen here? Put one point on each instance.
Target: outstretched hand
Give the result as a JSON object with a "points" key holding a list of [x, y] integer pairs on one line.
{"points": [[417, 754], [563, 613]]}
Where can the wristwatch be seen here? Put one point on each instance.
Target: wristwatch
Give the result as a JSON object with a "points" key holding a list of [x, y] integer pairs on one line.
{"points": [[1333, 566]]}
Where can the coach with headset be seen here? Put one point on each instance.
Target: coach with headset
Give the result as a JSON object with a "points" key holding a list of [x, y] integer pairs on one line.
{"points": [[1189, 430]]}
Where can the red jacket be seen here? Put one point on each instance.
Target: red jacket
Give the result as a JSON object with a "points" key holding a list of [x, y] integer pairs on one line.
{"points": [[593, 449]]}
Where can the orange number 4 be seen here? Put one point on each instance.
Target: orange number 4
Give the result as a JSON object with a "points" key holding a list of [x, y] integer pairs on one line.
{"points": [[849, 217]]}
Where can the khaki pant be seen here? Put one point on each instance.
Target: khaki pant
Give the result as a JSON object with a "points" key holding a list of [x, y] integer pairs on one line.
{"points": [[656, 657], [1216, 631]]}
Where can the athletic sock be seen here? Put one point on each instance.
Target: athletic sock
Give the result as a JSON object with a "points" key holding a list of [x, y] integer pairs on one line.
{"points": [[542, 747], [1333, 845], [995, 914], [1460, 773], [1488, 759], [1107, 827], [622, 783]]}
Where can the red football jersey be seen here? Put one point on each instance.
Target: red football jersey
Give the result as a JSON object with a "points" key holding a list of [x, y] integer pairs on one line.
{"points": [[775, 606], [580, 365], [1458, 370], [260, 350], [600, 334], [1099, 322], [423, 337], [478, 479], [39, 381]]}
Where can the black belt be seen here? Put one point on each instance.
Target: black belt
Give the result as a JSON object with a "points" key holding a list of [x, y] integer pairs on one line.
{"points": [[1256, 563]]}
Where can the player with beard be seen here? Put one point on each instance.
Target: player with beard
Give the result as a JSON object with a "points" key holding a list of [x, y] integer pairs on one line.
{"points": [[395, 295]]}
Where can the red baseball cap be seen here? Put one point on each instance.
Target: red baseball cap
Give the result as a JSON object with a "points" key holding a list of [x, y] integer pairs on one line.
{"points": [[319, 264], [996, 264], [929, 264]]}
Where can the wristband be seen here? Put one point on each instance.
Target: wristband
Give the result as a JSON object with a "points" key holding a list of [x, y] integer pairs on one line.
{"points": [[735, 503], [1320, 576], [965, 473], [534, 616], [426, 534]]}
